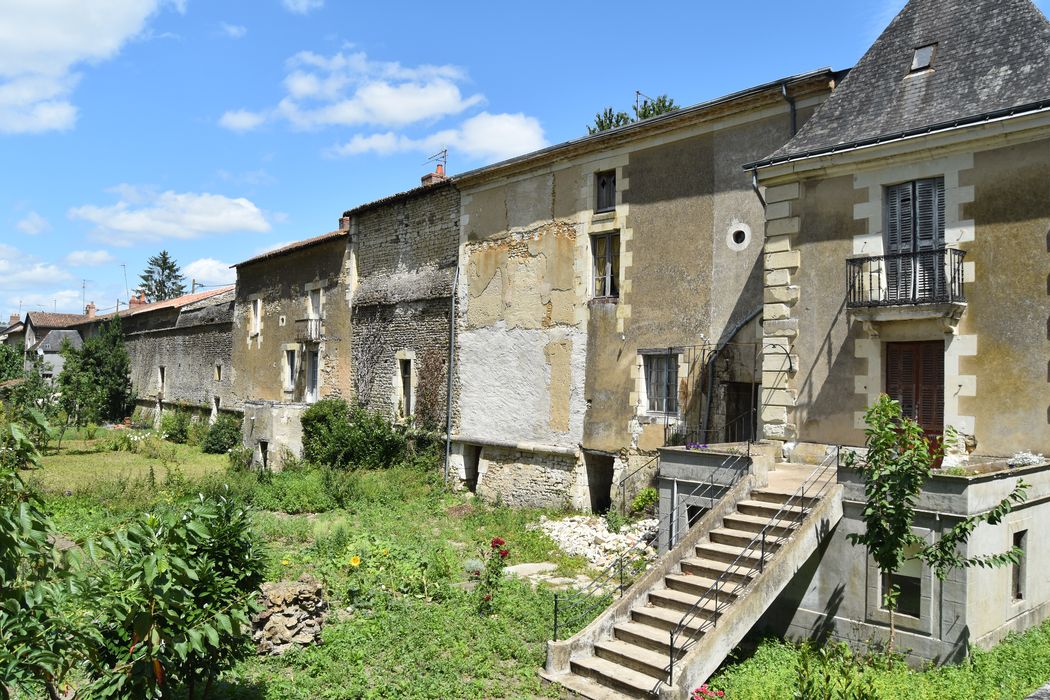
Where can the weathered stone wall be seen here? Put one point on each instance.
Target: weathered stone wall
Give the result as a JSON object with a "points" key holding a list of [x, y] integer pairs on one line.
{"points": [[405, 253], [529, 479]]}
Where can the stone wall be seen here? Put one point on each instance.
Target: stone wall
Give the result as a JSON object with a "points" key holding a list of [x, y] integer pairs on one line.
{"points": [[529, 479]]}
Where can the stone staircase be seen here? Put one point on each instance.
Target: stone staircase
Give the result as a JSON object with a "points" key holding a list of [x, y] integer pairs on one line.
{"points": [[625, 653]]}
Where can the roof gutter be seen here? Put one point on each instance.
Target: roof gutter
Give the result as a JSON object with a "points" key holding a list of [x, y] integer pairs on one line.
{"points": [[941, 127]]}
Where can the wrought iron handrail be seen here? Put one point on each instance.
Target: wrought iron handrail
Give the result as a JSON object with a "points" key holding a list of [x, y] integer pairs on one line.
{"points": [[905, 279], [618, 572], [623, 482], [759, 543]]}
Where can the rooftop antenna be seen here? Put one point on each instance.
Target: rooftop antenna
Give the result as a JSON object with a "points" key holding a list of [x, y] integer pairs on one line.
{"points": [[127, 289], [83, 292], [439, 157], [638, 101]]}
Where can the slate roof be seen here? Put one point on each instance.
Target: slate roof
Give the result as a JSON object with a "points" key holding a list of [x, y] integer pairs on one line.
{"points": [[992, 56], [52, 342]]}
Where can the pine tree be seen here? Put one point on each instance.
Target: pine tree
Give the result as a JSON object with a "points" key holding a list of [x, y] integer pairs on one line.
{"points": [[163, 278]]}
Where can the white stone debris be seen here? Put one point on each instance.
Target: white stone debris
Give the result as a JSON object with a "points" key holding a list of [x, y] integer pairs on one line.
{"points": [[589, 536]]}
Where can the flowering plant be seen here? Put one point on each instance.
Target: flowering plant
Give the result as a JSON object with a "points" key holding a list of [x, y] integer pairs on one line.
{"points": [[695, 446], [705, 691], [492, 576]]}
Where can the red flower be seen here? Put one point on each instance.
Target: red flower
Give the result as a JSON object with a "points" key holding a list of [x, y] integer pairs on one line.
{"points": [[498, 542], [504, 553], [488, 596]]}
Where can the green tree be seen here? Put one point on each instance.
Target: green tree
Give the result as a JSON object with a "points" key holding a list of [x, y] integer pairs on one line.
{"points": [[163, 278], [898, 464], [610, 119], [12, 361], [95, 383]]}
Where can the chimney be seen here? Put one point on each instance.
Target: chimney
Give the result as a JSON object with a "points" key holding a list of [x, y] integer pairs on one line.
{"points": [[90, 309], [138, 300], [434, 177], [15, 318], [344, 223]]}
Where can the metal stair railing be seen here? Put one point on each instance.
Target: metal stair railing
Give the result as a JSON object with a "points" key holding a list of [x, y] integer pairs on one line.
{"points": [[724, 589], [629, 564], [622, 486]]}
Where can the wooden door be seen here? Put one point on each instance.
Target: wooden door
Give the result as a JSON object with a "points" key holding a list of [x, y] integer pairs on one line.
{"points": [[915, 377]]}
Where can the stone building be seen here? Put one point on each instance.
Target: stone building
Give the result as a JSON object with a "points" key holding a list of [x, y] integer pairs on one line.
{"points": [[610, 296], [37, 326], [291, 339], [180, 351], [404, 250], [907, 253]]}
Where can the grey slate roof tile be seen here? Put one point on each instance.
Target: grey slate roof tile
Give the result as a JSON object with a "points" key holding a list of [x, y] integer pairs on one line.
{"points": [[992, 55]]}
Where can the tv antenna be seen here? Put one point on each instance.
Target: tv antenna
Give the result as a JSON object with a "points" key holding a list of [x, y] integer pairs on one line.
{"points": [[638, 101], [439, 157]]}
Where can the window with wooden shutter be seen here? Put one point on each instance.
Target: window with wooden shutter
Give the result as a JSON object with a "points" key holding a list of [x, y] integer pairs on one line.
{"points": [[915, 378], [914, 226]]}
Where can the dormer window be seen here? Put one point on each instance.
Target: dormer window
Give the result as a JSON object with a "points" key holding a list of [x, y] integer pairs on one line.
{"points": [[923, 58]]}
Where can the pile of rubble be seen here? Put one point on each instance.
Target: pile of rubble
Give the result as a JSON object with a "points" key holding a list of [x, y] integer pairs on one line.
{"points": [[589, 536], [293, 614]]}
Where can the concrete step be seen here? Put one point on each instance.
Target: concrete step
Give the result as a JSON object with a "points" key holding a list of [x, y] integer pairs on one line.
{"points": [[754, 524], [780, 497], [681, 600], [727, 553], [693, 585], [694, 566], [638, 658], [646, 636], [741, 538], [612, 675], [669, 618], [573, 686], [768, 510]]}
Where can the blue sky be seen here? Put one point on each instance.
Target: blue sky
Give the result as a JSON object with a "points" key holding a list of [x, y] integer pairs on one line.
{"points": [[219, 129]]}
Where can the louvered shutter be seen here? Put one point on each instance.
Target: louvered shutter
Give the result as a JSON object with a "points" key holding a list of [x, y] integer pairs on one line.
{"points": [[931, 387], [900, 238], [900, 376], [929, 238]]}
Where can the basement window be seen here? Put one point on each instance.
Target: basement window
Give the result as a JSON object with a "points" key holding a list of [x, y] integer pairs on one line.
{"points": [[923, 58]]}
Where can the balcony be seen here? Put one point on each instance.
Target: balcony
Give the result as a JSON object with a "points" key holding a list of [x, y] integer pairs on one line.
{"points": [[308, 330], [901, 286]]}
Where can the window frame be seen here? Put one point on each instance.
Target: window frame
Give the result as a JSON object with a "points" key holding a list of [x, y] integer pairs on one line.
{"points": [[609, 262], [606, 203], [668, 403], [407, 397]]}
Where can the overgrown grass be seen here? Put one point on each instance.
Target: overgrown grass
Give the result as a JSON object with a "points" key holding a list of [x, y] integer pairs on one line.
{"points": [[1010, 671]]}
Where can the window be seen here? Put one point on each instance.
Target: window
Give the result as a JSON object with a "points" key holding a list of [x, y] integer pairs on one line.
{"points": [[1019, 570], [605, 191], [606, 252], [313, 361], [160, 378], [908, 579], [314, 305], [256, 313], [289, 362], [923, 58], [405, 367], [661, 382], [914, 235], [218, 373]]}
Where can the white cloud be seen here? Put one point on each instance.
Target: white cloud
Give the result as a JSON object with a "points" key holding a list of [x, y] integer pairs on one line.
{"points": [[144, 215], [210, 271], [241, 120], [19, 270], [302, 7], [33, 224], [89, 258], [234, 31], [42, 42], [349, 89], [489, 137]]}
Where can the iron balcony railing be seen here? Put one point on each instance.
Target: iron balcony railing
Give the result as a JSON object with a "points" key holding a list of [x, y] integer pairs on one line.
{"points": [[308, 330], [906, 279]]}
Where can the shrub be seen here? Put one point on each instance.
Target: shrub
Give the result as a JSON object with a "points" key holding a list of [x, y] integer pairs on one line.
{"points": [[171, 599], [90, 431], [240, 457], [295, 491], [119, 441], [614, 521], [645, 500], [175, 426], [223, 435], [197, 432], [334, 435]]}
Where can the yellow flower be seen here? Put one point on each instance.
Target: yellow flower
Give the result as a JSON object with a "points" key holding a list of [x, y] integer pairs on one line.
{"points": [[355, 560], [386, 551], [285, 562]]}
